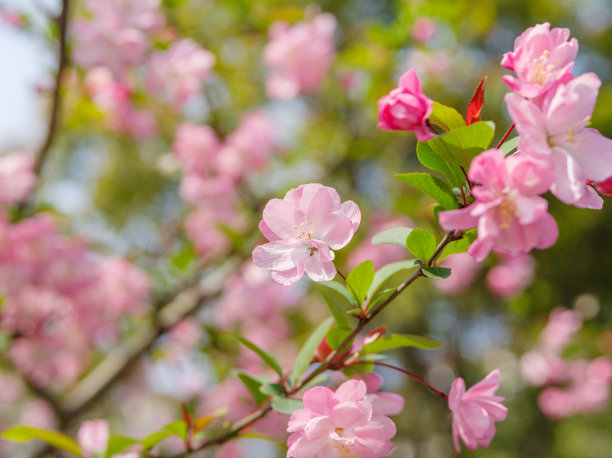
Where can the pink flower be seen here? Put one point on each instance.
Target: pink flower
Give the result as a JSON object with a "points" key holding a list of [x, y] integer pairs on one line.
{"points": [[556, 133], [406, 107], [541, 58], [541, 367], [464, 271], [180, 71], [17, 177], [340, 423], [196, 147], [604, 187], [383, 402], [475, 411], [508, 212], [93, 437], [299, 57], [562, 326], [301, 229], [423, 29], [511, 276]]}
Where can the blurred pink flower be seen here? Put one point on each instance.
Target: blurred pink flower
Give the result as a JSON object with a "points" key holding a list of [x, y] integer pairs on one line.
{"points": [[339, 423], [423, 29], [196, 147], [542, 367], [510, 215], [299, 57], [511, 276], [464, 270], [12, 17], [475, 411], [562, 326], [556, 133], [406, 108], [541, 58], [17, 177], [301, 229], [179, 72], [93, 436]]}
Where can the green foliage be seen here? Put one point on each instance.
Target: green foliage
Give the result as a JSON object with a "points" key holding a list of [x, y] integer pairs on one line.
{"points": [[446, 117], [22, 433], [461, 145], [360, 279], [339, 288], [254, 385], [268, 358], [458, 246], [307, 351], [385, 272], [400, 341], [433, 161], [437, 273], [422, 244], [337, 314], [176, 428], [287, 405], [336, 335], [509, 145], [117, 444], [393, 236], [433, 187]]}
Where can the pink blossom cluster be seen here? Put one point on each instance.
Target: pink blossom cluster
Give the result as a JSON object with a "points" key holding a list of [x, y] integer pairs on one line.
{"points": [[213, 171], [299, 56], [60, 300], [17, 178], [350, 421], [93, 437], [570, 386], [552, 110], [303, 228]]}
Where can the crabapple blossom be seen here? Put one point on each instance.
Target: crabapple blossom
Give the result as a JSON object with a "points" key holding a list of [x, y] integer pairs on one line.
{"points": [[556, 133], [406, 107], [541, 58], [180, 71], [339, 423], [17, 177], [511, 276], [604, 187], [302, 229], [510, 215], [299, 57], [383, 402], [93, 437], [475, 411], [562, 325]]}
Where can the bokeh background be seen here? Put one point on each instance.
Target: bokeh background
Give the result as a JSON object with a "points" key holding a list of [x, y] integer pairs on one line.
{"points": [[121, 195]]}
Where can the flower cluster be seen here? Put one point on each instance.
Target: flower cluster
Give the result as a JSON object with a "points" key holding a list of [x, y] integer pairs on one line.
{"points": [[299, 57], [571, 386]]}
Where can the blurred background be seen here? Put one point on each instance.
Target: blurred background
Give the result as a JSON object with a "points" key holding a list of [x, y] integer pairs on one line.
{"points": [[119, 185]]}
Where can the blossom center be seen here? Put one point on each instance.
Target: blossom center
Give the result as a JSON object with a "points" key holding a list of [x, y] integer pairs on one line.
{"points": [[507, 212], [541, 68], [304, 230], [344, 449]]}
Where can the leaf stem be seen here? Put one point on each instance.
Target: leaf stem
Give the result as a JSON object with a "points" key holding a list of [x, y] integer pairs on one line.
{"points": [[505, 137]]}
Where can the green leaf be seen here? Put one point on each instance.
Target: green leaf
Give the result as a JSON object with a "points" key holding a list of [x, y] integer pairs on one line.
{"points": [[339, 316], [509, 145], [458, 246], [117, 444], [308, 349], [437, 273], [264, 355], [387, 271], [22, 433], [360, 279], [432, 160], [433, 187], [399, 341], [176, 428], [184, 257], [287, 405], [336, 335], [393, 236], [463, 144], [446, 117], [253, 384], [422, 244], [272, 389], [340, 289], [380, 297]]}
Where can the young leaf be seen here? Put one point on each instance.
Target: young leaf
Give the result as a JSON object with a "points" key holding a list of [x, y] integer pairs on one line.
{"points": [[446, 117], [336, 335], [287, 405], [22, 433], [381, 296], [399, 341], [264, 355], [422, 244], [458, 246], [272, 389], [475, 106], [387, 271], [393, 236], [463, 144], [340, 289], [509, 145], [308, 349], [434, 161], [339, 316], [437, 273], [253, 384], [176, 428], [360, 279], [117, 444], [432, 186]]}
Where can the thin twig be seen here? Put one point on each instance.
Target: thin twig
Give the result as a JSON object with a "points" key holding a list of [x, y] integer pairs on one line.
{"points": [[505, 137]]}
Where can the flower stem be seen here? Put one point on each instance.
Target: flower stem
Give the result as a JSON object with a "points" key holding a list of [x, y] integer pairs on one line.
{"points": [[505, 137]]}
